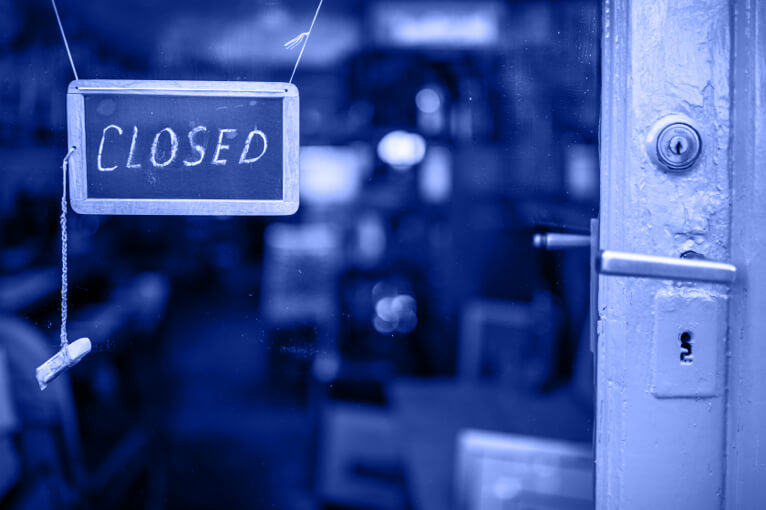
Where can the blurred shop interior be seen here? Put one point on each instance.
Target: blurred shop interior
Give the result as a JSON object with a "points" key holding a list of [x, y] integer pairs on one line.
{"points": [[396, 344]]}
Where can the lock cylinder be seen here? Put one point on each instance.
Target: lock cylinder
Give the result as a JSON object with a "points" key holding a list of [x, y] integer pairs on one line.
{"points": [[674, 144]]}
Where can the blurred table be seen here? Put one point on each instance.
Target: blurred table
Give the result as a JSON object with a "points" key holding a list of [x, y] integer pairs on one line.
{"points": [[431, 413]]}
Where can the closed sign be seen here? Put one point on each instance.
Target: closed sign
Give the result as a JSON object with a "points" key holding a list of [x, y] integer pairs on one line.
{"points": [[193, 148]]}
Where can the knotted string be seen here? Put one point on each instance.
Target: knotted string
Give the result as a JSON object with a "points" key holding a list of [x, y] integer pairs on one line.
{"points": [[64, 240]]}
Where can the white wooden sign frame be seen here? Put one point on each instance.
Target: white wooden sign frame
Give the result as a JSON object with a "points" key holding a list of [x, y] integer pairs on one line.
{"points": [[78, 183]]}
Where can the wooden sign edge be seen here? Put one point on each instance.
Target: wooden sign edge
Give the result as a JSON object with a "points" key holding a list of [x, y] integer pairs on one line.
{"points": [[200, 207]]}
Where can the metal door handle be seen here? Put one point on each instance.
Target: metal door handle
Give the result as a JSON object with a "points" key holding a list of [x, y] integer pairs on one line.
{"points": [[666, 268], [609, 262]]}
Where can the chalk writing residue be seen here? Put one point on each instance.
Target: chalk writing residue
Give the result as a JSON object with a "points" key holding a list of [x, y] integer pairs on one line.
{"points": [[173, 148], [101, 147], [221, 146], [199, 149], [246, 150], [132, 150]]}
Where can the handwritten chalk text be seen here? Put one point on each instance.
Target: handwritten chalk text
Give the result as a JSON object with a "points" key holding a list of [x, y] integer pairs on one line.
{"points": [[166, 149]]}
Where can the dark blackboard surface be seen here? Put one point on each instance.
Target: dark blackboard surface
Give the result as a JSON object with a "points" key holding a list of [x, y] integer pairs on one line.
{"points": [[150, 114], [183, 147]]}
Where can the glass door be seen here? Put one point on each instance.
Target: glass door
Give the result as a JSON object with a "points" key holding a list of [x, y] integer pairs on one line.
{"points": [[397, 343]]}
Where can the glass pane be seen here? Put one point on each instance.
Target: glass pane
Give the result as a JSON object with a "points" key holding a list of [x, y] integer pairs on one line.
{"points": [[397, 343]]}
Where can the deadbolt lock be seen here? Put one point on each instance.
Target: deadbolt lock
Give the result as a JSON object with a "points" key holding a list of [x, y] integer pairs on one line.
{"points": [[674, 144]]}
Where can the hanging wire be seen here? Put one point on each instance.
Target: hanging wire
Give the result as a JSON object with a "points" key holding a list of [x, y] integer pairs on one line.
{"points": [[64, 268], [304, 37], [66, 43]]}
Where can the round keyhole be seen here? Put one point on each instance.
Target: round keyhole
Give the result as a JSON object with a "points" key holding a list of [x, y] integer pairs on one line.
{"points": [[674, 145]]}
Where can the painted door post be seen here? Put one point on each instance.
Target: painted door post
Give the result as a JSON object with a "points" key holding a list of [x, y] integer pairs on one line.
{"points": [[661, 419], [746, 427]]}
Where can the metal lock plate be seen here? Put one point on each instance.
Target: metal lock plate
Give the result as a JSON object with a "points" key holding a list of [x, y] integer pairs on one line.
{"points": [[689, 342]]}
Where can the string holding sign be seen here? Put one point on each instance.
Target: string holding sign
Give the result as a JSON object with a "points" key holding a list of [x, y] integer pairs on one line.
{"points": [[302, 38], [63, 36], [69, 354]]}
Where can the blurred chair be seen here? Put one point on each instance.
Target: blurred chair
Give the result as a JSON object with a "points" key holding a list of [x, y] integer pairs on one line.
{"points": [[9, 423], [506, 472], [41, 462], [42, 426], [28, 287]]}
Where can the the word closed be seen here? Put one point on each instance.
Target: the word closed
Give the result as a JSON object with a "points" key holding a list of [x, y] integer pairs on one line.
{"points": [[166, 148]]}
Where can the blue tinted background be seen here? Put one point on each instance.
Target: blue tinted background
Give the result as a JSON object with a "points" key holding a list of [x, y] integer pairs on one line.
{"points": [[335, 358]]}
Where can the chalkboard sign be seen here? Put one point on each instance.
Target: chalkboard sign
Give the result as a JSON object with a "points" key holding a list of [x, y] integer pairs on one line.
{"points": [[183, 147]]}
